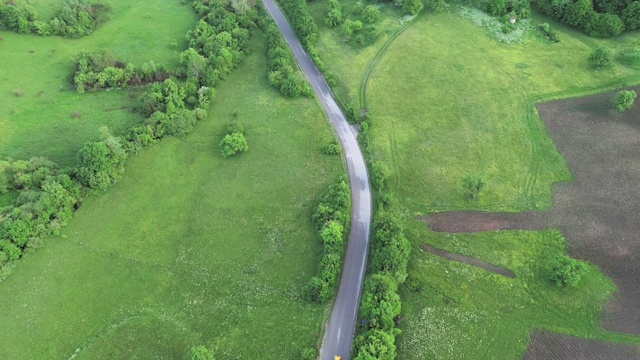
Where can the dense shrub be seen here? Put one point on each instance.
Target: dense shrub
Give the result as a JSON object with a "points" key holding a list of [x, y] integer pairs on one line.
{"points": [[332, 148], [565, 271], [631, 16], [200, 353], [380, 302], [473, 186], [370, 14], [624, 99], [102, 71], [284, 74], [334, 13], [375, 345], [600, 57], [549, 32], [412, 7], [234, 140], [101, 163], [379, 172], [301, 21], [331, 216], [390, 249]]}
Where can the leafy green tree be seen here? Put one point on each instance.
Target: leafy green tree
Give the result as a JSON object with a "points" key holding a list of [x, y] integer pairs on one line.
{"points": [[624, 99], [390, 248], [101, 163], [200, 353], [412, 7], [565, 271], [195, 63], [375, 345], [631, 16], [473, 186], [436, 5], [334, 14], [370, 14], [380, 303], [232, 144], [600, 57], [379, 175]]}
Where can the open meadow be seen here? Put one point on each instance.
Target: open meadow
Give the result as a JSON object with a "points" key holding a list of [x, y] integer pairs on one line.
{"points": [[40, 112], [188, 248], [446, 101]]}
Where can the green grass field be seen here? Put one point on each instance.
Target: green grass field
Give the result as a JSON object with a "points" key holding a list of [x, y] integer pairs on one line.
{"points": [[188, 248], [37, 101], [447, 101]]}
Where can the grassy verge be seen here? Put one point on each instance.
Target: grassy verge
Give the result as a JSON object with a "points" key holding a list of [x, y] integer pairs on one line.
{"points": [[188, 248], [40, 113]]}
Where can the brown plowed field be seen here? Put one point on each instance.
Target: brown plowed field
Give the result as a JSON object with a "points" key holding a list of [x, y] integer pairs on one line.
{"points": [[546, 346], [599, 211]]}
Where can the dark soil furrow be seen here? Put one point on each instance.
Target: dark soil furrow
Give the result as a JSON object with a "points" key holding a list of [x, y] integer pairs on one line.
{"points": [[469, 260]]}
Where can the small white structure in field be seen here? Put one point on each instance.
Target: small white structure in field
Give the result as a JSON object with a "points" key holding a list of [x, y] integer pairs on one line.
{"points": [[512, 20]]}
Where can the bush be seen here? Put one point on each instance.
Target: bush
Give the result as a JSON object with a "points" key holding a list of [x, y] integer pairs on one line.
{"points": [[473, 185], [436, 5], [380, 303], [371, 14], [283, 76], [390, 248], [565, 271], [549, 32], [412, 7], [375, 345], [600, 57], [332, 148], [101, 163], [631, 16], [334, 14], [624, 99], [232, 144], [200, 353], [379, 175], [309, 354]]}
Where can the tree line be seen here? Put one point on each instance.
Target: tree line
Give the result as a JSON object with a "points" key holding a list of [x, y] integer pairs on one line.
{"points": [[75, 19], [47, 195]]}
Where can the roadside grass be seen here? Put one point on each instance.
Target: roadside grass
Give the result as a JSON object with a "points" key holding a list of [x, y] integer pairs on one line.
{"points": [[188, 248], [40, 112], [457, 311], [447, 101]]}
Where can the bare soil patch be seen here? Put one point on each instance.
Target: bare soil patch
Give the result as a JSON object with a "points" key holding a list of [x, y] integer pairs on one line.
{"points": [[598, 211], [546, 346], [469, 260]]}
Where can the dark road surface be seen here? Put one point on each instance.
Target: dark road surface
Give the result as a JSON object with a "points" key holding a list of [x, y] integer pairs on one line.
{"points": [[339, 332]]}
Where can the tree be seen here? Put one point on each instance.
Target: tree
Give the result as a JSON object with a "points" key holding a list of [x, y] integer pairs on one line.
{"points": [[473, 185], [436, 5], [200, 353], [370, 14], [98, 164], [196, 63], [375, 345], [600, 57], [334, 14], [624, 100], [232, 144], [412, 7], [380, 303], [565, 271], [631, 16]]}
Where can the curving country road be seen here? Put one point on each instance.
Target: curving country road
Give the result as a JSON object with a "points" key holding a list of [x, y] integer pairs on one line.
{"points": [[339, 332]]}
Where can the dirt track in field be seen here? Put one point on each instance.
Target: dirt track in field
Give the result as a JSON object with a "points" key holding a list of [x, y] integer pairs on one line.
{"points": [[599, 211]]}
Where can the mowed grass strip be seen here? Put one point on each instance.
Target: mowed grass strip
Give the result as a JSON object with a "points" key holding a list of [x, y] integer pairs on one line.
{"points": [[448, 101], [40, 112], [188, 248]]}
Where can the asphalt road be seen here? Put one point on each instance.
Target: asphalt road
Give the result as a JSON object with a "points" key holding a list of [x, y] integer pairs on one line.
{"points": [[339, 332]]}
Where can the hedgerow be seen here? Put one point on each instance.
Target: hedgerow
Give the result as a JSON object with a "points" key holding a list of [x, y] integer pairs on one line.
{"points": [[332, 219], [284, 74]]}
